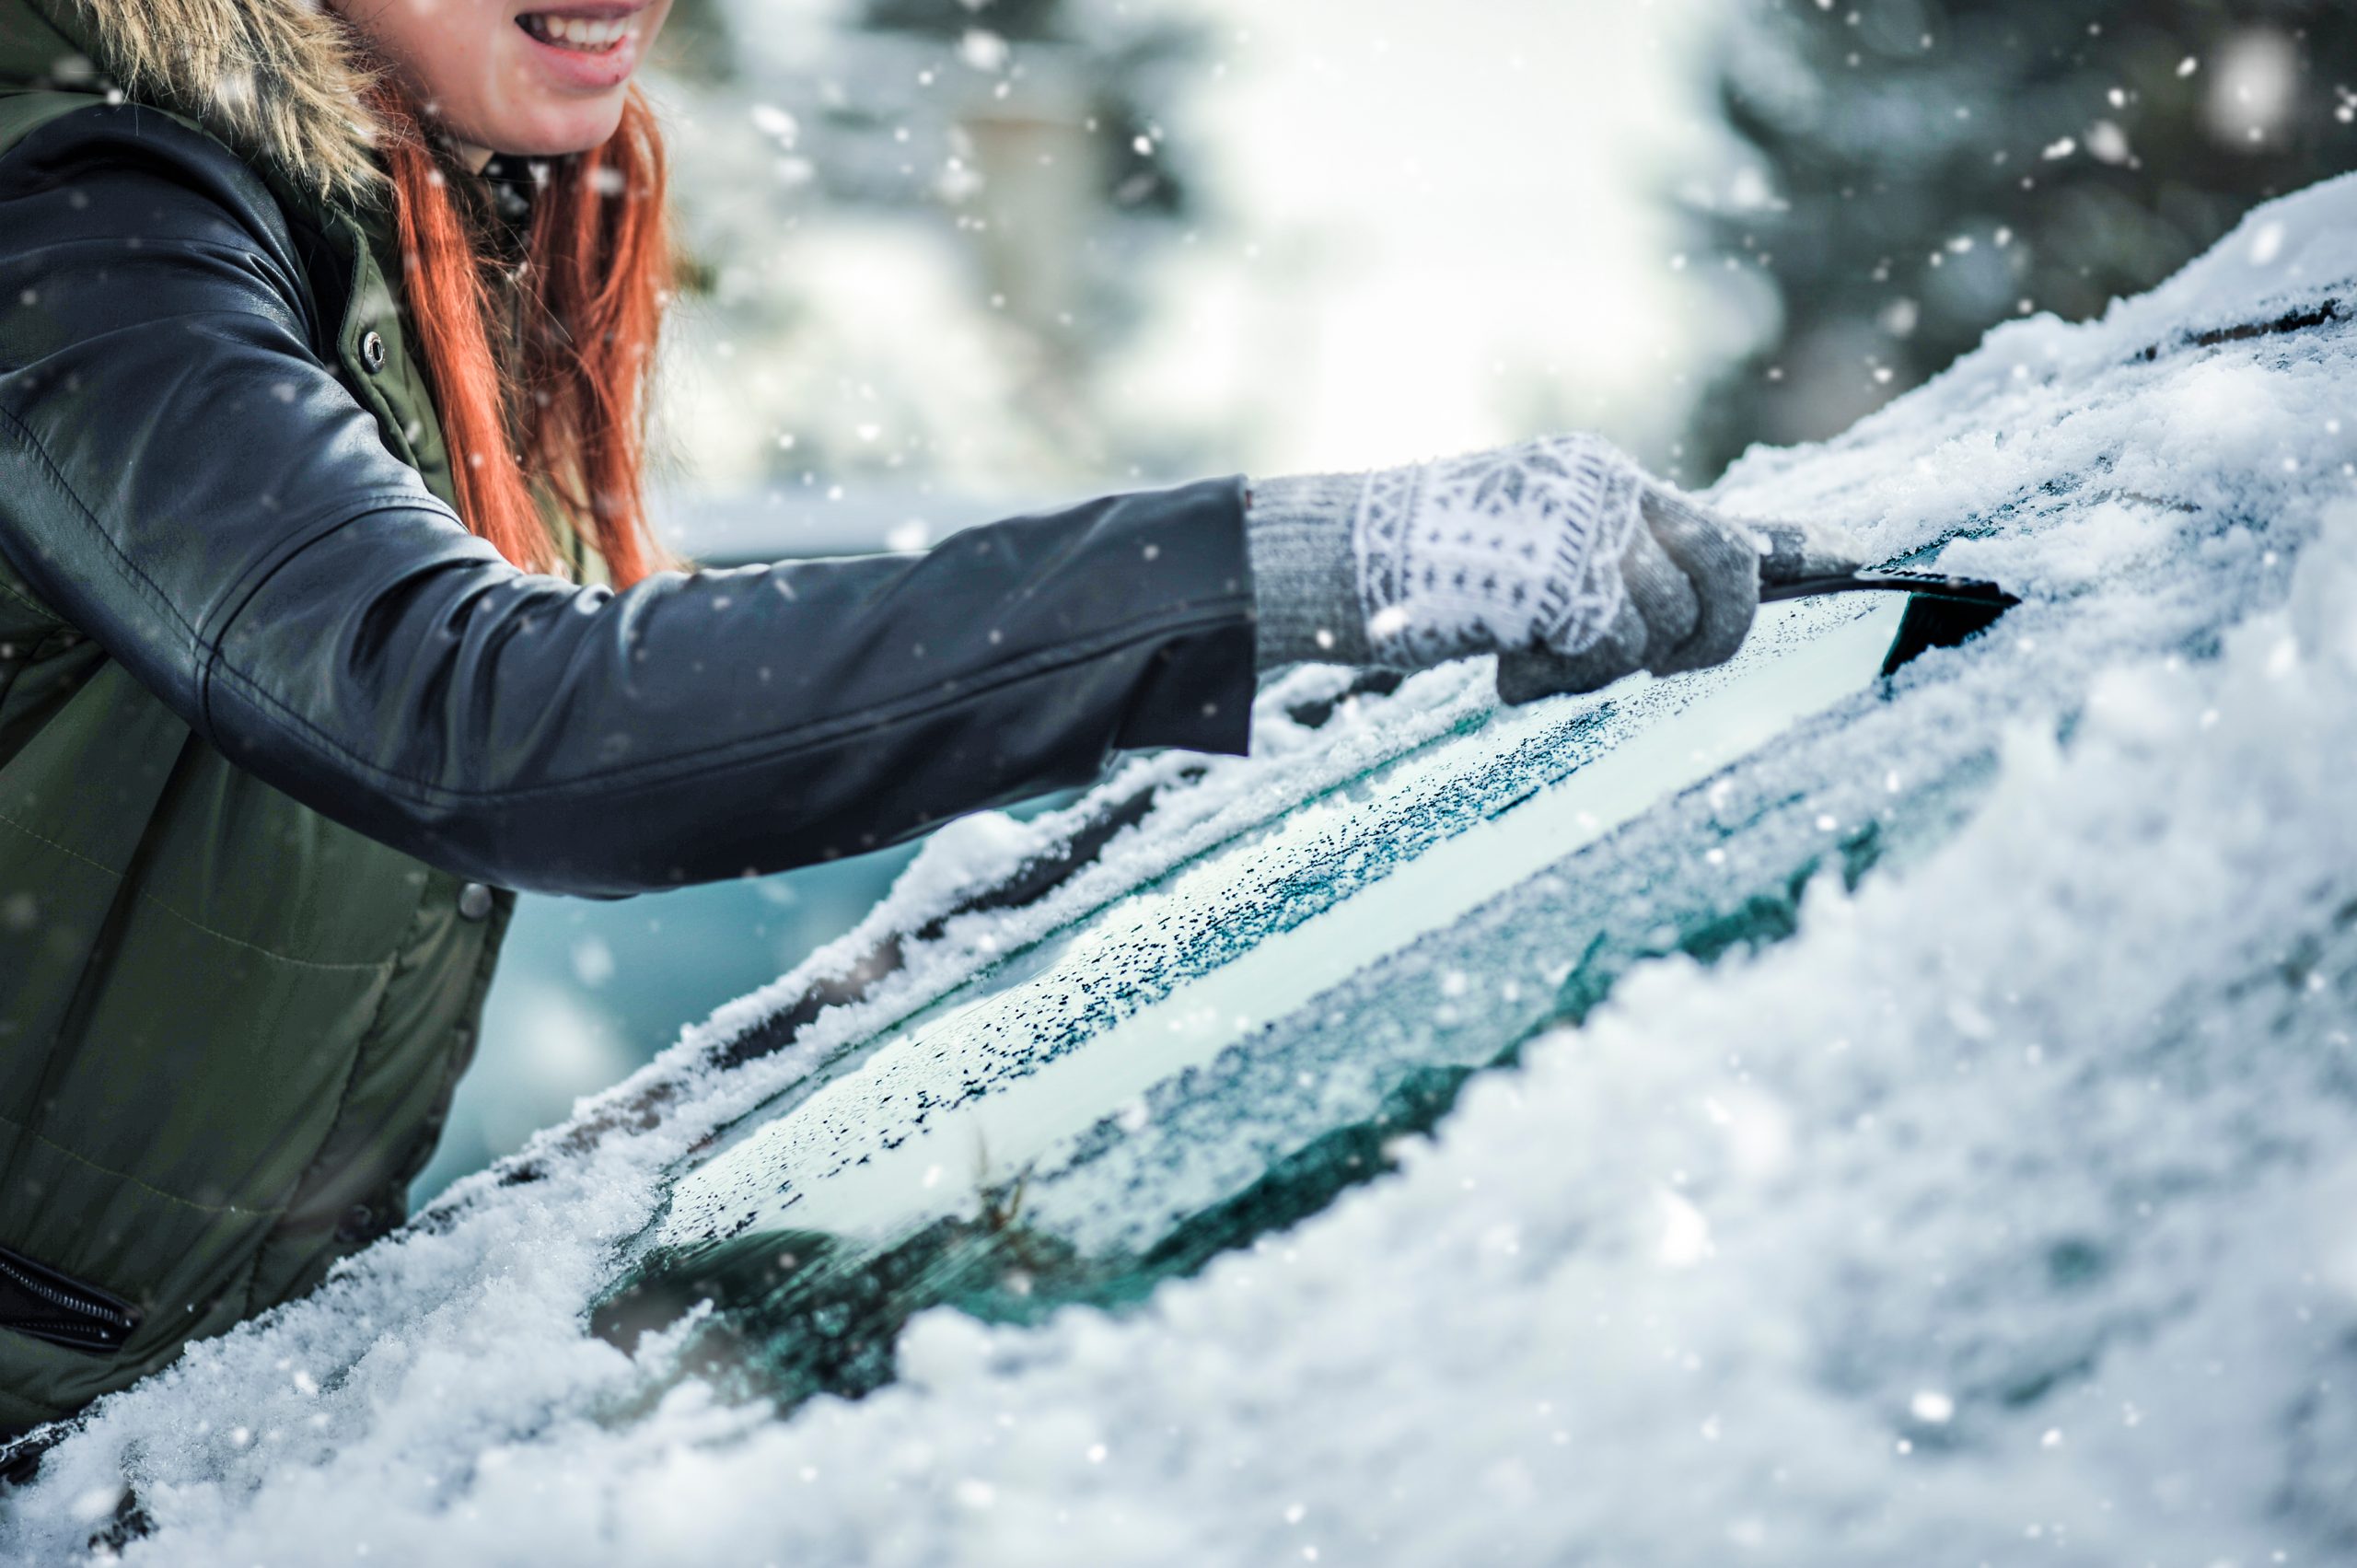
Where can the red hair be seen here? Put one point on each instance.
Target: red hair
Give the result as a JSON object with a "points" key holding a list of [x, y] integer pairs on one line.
{"points": [[568, 413]]}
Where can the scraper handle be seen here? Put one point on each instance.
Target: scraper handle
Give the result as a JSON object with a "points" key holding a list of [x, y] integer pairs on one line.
{"points": [[1926, 584]]}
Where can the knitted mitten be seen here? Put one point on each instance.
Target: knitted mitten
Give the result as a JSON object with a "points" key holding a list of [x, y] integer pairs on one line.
{"points": [[1405, 567], [1560, 554], [1694, 579]]}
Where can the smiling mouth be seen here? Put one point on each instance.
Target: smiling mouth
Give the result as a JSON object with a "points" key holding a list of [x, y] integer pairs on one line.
{"points": [[583, 35]]}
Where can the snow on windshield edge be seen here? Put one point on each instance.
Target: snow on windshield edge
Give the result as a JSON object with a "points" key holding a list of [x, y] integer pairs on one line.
{"points": [[2008, 1210]]}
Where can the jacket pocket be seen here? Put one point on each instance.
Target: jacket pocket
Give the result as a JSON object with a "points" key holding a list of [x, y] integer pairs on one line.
{"points": [[42, 1304]]}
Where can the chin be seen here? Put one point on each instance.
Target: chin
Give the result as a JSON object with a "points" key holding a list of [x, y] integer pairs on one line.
{"points": [[555, 135]]}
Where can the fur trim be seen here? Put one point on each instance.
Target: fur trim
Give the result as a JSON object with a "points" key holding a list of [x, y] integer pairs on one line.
{"points": [[274, 79]]}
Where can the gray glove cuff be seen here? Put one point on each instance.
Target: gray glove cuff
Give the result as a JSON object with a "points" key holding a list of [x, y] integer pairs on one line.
{"points": [[1305, 569]]}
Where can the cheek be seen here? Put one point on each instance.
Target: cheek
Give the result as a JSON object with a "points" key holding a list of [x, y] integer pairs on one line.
{"points": [[453, 52]]}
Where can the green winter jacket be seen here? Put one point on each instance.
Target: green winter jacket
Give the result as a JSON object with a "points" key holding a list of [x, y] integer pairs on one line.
{"points": [[229, 1027], [236, 995]]}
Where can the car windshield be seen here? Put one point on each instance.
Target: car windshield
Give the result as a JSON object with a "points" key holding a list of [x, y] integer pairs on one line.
{"points": [[1220, 1050]]}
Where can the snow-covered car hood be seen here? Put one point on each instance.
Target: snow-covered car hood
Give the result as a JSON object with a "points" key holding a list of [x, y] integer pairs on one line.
{"points": [[1869, 1120]]}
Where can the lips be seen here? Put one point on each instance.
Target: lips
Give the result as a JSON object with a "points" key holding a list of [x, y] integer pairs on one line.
{"points": [[587, 44]]}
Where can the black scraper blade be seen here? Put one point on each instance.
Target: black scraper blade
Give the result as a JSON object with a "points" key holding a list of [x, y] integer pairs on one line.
{"points": [[1942, 612]]}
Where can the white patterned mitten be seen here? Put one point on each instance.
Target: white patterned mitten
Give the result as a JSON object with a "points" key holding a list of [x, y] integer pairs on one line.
{"points": [[1560, 554]]}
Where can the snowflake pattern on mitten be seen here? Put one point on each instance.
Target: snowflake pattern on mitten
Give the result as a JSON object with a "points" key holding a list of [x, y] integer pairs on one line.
{"points": [[1517, 546]]}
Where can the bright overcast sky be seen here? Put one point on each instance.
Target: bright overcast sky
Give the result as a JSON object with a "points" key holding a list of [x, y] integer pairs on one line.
{"points": [[1448, 229], [1426, 227]]}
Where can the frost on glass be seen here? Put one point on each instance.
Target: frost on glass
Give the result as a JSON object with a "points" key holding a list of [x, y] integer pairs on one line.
{"points": [[1784, 1115]]}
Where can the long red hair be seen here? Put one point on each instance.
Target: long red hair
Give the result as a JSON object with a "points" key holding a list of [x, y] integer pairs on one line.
{"points": [[568, 412]]}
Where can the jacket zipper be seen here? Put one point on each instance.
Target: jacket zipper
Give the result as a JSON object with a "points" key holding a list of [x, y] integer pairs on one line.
{"points": [[91, 1319]]}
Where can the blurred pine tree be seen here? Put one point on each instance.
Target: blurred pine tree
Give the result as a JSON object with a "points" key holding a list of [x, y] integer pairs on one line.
{"points": [[1924, 169], [1120, 56]]}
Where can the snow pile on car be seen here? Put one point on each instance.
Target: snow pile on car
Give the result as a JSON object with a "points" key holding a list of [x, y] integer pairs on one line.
{"points": [[2004, 1211]]}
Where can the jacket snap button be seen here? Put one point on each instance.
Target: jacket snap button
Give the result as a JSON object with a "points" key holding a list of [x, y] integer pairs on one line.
{"points": [[372, 351], [355, 1224], [474, 901]]}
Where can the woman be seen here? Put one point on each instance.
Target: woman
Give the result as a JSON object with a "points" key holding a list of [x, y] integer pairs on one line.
{"points": [[328, 613]]}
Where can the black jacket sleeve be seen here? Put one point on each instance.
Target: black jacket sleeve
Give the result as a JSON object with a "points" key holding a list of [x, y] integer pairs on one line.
{"points": [[184, 477]]}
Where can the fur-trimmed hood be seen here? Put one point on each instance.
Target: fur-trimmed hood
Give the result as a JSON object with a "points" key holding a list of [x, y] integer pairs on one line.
{"points": [[274, 79]]}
